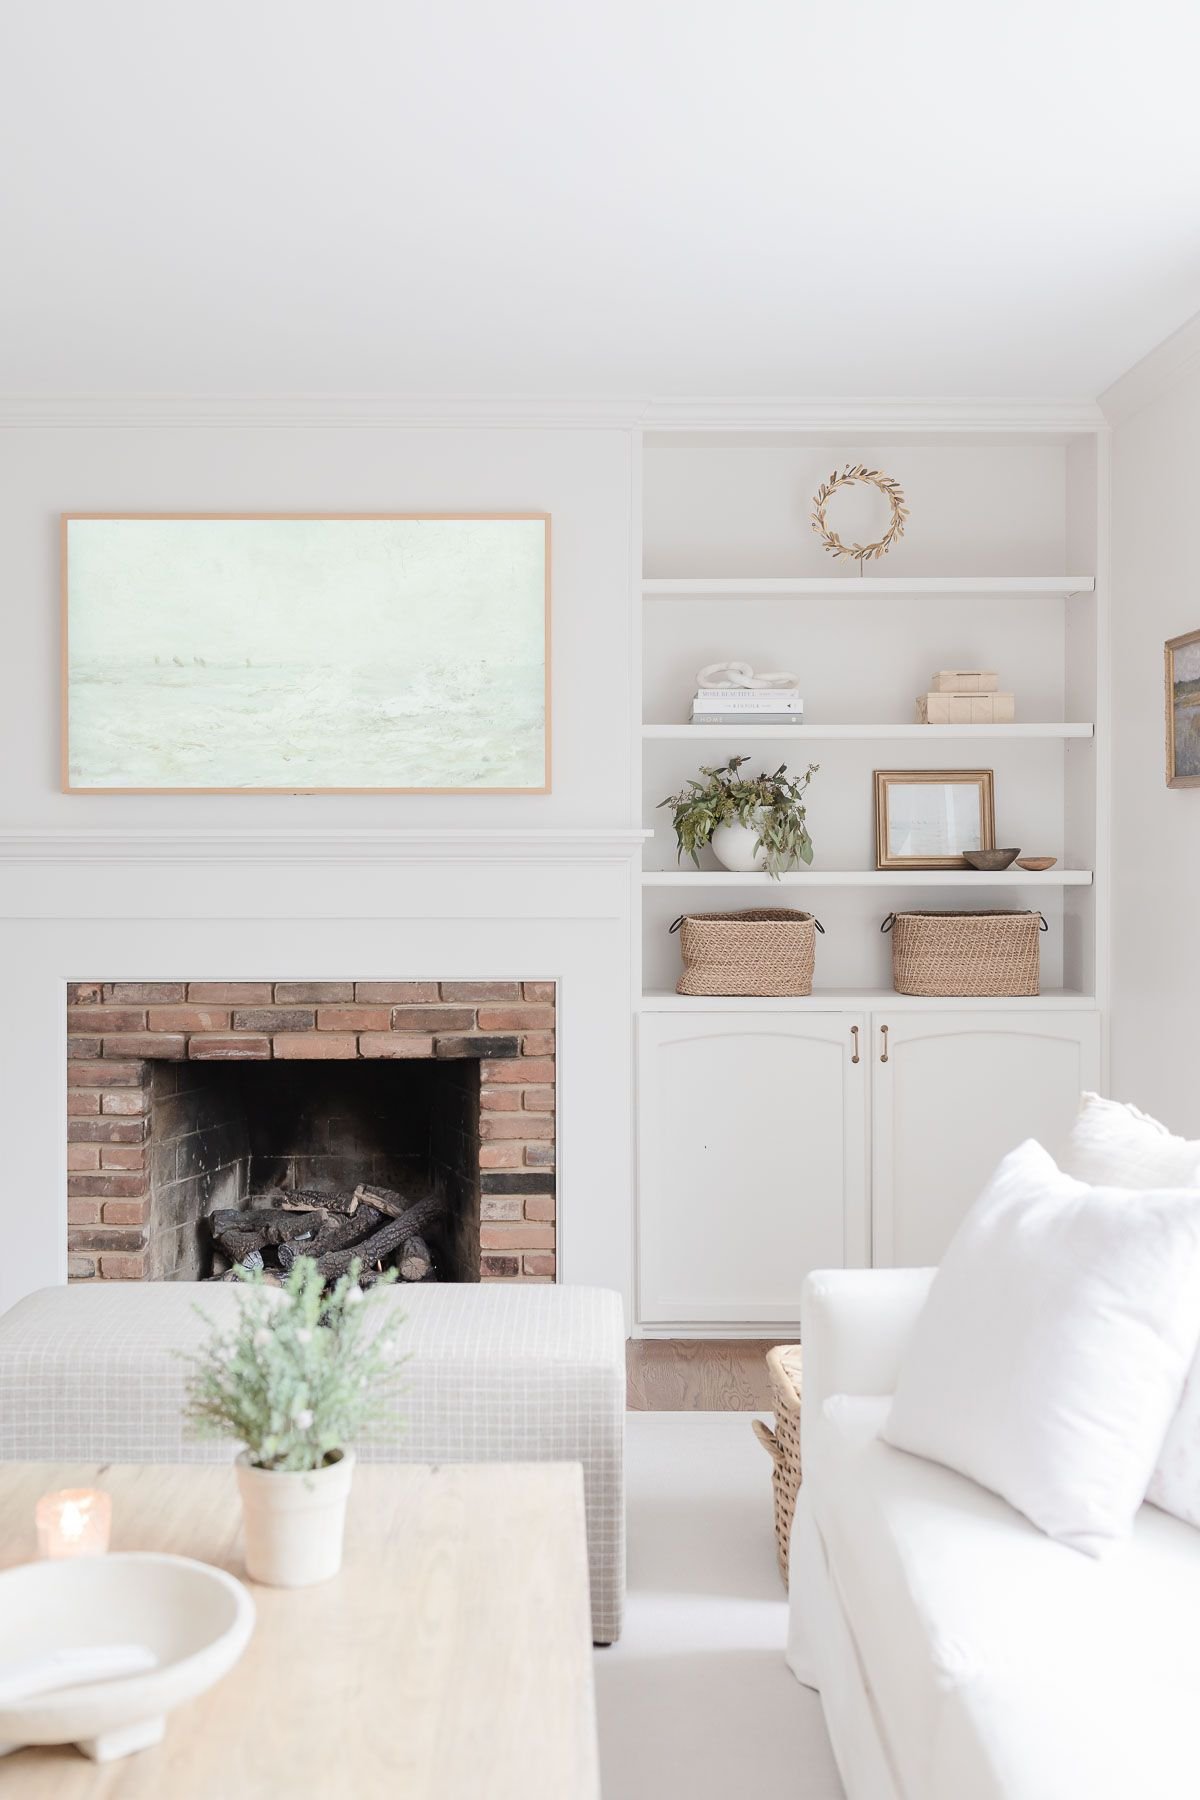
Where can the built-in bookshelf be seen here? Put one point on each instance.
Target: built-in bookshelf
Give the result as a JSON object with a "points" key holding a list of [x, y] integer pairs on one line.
{"points": [[731, 569]]}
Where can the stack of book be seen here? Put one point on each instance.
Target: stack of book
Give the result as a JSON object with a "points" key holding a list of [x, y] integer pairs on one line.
{"points": [[748, 706]]}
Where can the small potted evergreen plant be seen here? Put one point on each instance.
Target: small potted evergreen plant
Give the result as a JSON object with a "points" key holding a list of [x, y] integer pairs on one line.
{"points": [[752, 822], [297, 1380]]}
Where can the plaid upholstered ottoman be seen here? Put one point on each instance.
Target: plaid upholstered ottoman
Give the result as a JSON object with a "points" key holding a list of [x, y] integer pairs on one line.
{"points": [[496, 1374]]}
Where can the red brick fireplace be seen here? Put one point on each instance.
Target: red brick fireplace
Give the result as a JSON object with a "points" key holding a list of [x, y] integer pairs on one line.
{"points": [[185, 1097]]}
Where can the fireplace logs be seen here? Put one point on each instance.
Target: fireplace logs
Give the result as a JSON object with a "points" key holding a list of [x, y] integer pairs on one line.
{"points": [[376, 1225], [386, 1200], [391, 1236], [267, 1224], [415, 1259], [336, 1231]]}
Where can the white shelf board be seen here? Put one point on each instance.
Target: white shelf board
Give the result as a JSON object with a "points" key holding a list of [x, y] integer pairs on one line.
{"points": [[869, 878], [779, 587], [838, 733], [862, 1000]]}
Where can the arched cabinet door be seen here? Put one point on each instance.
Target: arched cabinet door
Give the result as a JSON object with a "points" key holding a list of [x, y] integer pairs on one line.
{"points": [[752, 1162], [953, 1092]]}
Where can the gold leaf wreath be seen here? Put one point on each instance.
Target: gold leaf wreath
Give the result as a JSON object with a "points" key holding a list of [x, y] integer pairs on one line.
{"points": [[892, 492]]}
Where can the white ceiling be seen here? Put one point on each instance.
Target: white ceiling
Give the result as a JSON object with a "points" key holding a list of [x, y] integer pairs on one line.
{"points": [[618, 197]]}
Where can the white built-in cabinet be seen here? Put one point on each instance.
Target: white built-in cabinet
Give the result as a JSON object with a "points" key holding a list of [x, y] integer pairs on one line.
{"points": [[765, 1149], [753, 1161], [956, 1093], [773, 1143]]}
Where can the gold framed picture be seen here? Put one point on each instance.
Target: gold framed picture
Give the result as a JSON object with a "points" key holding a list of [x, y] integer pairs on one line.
{"points": [[926, 818], [1183, 710]]}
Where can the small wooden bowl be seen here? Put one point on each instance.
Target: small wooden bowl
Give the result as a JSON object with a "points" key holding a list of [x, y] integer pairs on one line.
{"points": [[990, 862], [1036, 863]]}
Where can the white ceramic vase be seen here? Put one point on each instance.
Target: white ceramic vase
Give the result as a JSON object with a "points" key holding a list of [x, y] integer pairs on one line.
{"points": [[733, 847], [294, 1523]]}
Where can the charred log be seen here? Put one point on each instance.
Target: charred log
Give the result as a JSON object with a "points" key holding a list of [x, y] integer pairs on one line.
{"points": [[415, 1259], [389, 1237]]}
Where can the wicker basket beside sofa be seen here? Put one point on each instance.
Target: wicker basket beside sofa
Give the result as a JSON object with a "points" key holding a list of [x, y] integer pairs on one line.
{"points": [[763, 951], [784, 1371], [971, 953]]}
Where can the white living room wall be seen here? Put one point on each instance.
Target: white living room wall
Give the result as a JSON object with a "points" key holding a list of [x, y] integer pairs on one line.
{"points": [[241, 886], [1156, 830], [582, 477]]}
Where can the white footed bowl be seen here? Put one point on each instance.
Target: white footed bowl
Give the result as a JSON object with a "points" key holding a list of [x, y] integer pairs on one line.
{"points": [[196, 1619]]}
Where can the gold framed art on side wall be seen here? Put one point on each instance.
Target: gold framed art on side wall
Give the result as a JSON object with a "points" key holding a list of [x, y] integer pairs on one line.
{"points": [[1181, 657]]}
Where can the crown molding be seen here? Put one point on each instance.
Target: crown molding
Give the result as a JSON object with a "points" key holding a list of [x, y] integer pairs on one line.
{"points": [[581, 413], [1162, 368], [327, 411], [880, 413], [547, 846]]}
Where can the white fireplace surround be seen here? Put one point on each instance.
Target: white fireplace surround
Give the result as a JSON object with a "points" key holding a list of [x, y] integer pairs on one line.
{"points": [[322, 906]]}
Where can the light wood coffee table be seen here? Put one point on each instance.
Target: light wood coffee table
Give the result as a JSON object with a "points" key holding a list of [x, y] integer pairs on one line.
{"points": [[450, 1660]]}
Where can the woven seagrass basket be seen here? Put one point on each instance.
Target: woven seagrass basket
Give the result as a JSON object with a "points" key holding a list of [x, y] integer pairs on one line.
{"points": [[763, 951], [974, 953], [784, 1374]]}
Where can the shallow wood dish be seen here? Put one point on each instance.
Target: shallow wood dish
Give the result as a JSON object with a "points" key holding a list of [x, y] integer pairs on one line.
{"points": [[990, 861], [1036, 863]]}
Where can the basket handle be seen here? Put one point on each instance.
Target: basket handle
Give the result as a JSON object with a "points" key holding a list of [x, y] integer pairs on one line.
{"points": [[679, 921], [891, 920], [767, 1439]]}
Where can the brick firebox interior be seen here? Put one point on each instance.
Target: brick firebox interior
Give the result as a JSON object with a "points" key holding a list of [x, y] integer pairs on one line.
{"points": [[186, 1096]]}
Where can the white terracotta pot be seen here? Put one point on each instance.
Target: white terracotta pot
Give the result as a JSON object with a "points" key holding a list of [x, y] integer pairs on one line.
{"points": [[733, 847], [294, 1524]]}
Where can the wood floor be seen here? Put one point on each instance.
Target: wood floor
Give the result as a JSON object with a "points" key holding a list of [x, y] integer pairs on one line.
{"points": [[691, 1375]]}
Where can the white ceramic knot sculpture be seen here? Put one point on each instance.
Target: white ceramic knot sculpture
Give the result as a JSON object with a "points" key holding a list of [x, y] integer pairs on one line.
{"points": [[741, 675]]}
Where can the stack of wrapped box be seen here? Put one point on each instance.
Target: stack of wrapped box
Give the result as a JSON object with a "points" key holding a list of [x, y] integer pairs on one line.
{"points": [[965, 697]]}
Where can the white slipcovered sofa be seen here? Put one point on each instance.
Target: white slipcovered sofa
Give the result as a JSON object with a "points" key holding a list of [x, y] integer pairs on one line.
{"points": [[961, 1654], [91, 1374]]}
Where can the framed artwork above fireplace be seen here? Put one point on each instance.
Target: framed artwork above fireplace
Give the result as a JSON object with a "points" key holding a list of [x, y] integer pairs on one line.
{"points": [[296, 653]]}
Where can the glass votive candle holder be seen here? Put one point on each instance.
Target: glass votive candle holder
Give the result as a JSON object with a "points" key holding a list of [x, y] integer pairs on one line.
{"points": [[73, 1522]]}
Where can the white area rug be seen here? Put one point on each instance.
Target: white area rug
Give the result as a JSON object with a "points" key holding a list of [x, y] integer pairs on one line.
{"points": [[696, 1702]]}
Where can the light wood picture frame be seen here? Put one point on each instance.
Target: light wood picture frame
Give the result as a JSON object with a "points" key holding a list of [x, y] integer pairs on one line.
{"points": [[916, 827], [1182, 682], [283, 653]]}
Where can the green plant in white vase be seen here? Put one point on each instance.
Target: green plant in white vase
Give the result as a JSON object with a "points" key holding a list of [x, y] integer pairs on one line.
{"points": [[297, 1377], [752, 822]]}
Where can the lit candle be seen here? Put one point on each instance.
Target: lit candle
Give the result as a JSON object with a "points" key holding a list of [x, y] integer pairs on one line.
{"points": [[73, 1522]]}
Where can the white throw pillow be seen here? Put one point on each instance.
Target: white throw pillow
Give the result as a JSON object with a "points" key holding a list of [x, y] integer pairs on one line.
{"points": [[1175, 1483], [1119, 1146], [1052, 1350], [1113, 1145]]}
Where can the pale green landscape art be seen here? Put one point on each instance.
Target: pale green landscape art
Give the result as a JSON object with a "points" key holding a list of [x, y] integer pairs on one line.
{"points": [[296, 654]]}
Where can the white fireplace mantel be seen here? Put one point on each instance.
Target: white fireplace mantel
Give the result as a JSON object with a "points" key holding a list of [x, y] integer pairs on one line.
{"points": [[299, 904]]}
